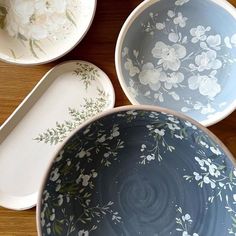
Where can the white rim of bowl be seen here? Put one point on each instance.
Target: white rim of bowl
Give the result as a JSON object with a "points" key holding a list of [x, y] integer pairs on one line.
{"points": [[61, 54], [129, 21], [113, 111]]}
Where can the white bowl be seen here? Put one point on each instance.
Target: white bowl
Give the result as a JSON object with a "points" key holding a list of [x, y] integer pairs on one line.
{"points": [[39, 32]]}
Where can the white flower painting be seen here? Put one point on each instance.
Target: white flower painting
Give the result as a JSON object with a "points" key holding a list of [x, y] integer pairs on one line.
{"points": [[189, 61], [183, 222], [169, 55], [31, 21]]}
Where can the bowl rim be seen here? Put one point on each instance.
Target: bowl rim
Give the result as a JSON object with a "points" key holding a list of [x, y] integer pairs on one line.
{"points": [[111, 112], [217, 117], [79, 39]]}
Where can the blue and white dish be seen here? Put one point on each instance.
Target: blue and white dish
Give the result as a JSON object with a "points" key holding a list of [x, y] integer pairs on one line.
{"points": [[140, 171], [180, 54]]}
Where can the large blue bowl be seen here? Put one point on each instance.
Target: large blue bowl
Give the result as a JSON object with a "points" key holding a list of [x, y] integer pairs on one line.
{"points": [[140, 171], [180, 54]]}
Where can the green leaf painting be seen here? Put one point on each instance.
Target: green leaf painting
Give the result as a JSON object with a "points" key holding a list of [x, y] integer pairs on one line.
{"points": [[3, 14], [90, 108], [86, 73]]}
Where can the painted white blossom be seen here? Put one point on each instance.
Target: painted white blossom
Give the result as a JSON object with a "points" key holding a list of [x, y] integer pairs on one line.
{"points": [[83, 233], [173, 80], [37, 20], [198, 33], [197, 176], [53, 215], [186, 217], [151, 157], [133, 91], [46, 195], [233, 40], [216, 151], [169, 56], [173, 126], [114, 132], [185, 233], [60, 199], [125, 51], [180, 20], [60, 156], [102, 139], [132, 112], [160, 132], [129, 66], [208, 61], [207, 86], [183, 223], [234, 172], [83, 153], [172, 119], [54, 175], [214, 41], [151, 76], [234, 197], [189, 124], [58, 187], [171, 13], [160, 26], [85, 179], [211, 172], [173, 37], [49, 230], [204, 144]]}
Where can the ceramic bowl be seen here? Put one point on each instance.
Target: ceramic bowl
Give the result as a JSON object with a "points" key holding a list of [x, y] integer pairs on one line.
{"points": [[140, 170], [175, 54], [37, 32]]}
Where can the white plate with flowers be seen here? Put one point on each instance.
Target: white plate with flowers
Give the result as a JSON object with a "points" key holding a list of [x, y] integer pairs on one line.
{"points": [[39, 31]]}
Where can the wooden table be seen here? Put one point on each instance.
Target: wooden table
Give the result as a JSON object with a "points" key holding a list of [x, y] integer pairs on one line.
{"points": [[98, 47]]}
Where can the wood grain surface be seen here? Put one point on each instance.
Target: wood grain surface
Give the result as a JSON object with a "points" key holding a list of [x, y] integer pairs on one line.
{"points": [[97, 47]]}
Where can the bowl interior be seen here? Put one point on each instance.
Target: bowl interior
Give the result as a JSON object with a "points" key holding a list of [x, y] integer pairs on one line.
{"points": [[138, 172], [41, 32], [175, 54]]}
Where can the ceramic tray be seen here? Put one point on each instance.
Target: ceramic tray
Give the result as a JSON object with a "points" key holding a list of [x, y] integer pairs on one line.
{"points": [[36, 32], [68, 95], [140, 171]]}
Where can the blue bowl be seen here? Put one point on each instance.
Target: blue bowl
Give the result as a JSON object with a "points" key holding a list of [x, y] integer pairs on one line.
{"points": [[180, 54], [140, 171]]}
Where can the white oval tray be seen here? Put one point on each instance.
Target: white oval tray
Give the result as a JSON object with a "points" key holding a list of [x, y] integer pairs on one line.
{"points": [[67, 95]]}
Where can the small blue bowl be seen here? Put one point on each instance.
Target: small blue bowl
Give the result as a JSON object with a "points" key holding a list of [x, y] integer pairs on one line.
{"points": [[180, 54], [139, 171]]}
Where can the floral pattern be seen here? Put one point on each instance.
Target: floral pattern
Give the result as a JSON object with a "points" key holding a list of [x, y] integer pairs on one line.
{"points": [[176, 65], [178, 131], [80, 191], [161, 143], [30, 22], [100, 101], [218, 177], [169, 56], [183, 221]]}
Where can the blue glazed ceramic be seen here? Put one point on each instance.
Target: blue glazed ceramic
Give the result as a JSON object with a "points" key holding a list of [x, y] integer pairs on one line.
{"points": [[180, 54], [140, 171]]}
